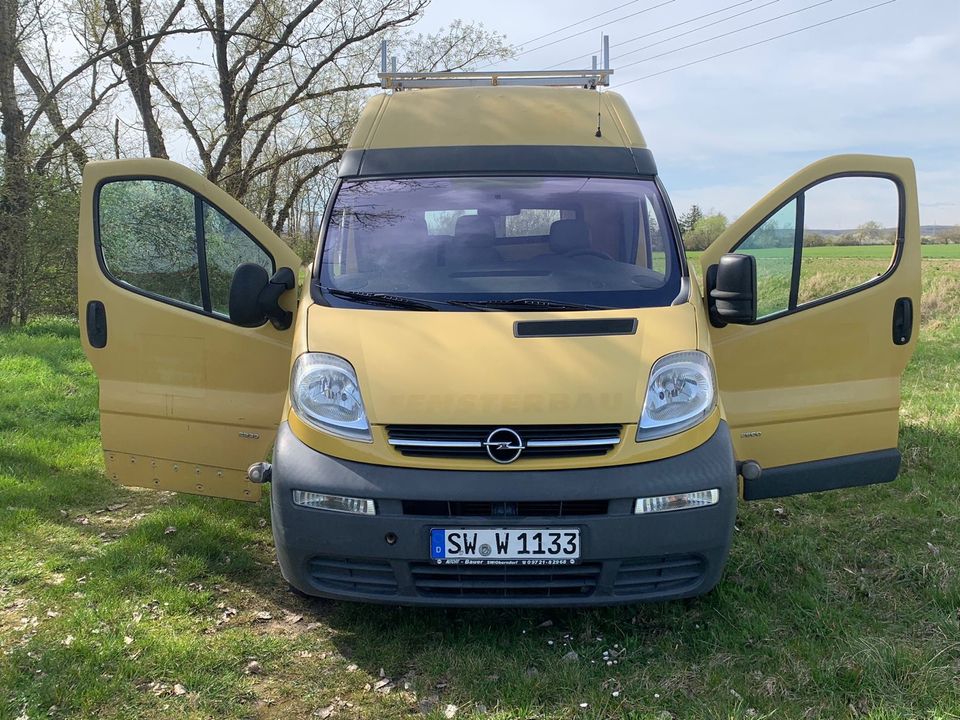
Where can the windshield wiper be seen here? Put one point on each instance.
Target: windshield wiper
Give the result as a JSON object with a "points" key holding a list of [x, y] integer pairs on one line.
{"points": [[525, 304], [378, 298]]}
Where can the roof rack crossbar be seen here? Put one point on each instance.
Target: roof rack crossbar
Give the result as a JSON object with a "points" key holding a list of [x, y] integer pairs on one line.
{"points": [[590, 79]]}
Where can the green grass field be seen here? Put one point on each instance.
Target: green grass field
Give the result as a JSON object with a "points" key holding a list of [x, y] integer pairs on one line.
{"points": [[120, 603], [945, 252]]}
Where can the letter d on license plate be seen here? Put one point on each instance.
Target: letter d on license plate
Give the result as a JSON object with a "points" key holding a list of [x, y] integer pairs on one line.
{"points": [[505, 546]]}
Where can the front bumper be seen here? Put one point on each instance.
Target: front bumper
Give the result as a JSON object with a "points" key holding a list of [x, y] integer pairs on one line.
{"points": [[625, 557]]}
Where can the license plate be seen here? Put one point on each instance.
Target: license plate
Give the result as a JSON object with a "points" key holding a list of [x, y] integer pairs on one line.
{"points": [[505, 546]]}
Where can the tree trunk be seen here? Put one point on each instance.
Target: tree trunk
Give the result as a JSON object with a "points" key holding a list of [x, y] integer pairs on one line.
{"points": [[133, 60], [15, 187]]}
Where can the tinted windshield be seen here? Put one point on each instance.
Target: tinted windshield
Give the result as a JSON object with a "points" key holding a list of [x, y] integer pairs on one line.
{"points": [[598, 241]]}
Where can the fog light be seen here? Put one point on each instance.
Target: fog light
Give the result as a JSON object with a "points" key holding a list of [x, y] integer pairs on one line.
{"points": [[336, 503], [682, 501]]}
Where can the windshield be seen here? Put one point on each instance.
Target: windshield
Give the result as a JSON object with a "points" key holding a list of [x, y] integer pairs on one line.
{"points": [[597, 242]]}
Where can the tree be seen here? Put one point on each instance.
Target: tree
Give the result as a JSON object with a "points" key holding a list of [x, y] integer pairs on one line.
{"points": [[689, 219], [705, 231], [267, 112]]}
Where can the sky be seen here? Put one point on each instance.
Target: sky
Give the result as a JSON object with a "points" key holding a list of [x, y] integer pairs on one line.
{"points": [[727, 130]]}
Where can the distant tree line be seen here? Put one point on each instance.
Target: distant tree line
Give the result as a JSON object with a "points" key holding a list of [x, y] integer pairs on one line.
{"points": [[699, 230]]}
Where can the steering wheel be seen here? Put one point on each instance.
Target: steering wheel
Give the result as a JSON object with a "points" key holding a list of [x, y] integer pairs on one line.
{"points": [[593, 253]]}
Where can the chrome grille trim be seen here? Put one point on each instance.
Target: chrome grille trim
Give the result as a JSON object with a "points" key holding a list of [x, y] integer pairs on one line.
{"points": [[435, 443], [474, 441], [573, 443]]}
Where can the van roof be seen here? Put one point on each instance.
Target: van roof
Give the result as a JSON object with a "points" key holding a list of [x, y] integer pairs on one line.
{"points": [[496, 116], [406, 132]]}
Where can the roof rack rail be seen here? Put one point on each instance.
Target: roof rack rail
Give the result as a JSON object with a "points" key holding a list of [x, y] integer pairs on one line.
{"points": [[590, 79]]}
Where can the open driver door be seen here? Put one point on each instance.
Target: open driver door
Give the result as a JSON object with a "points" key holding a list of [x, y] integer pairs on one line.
{"points": [[188, 398]]}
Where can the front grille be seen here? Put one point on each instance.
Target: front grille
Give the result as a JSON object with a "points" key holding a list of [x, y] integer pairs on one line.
{"points": [[517, 581], [538, 441], [544, 508], [361, 576], [657, 575]]}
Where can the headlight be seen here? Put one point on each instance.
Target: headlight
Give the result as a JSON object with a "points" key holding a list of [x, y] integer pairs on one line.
{"points": [[324, 393], [682, 392]]}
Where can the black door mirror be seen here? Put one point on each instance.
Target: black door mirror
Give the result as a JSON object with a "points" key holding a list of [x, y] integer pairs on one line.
{"points": [[255, 297], [732, 289]]}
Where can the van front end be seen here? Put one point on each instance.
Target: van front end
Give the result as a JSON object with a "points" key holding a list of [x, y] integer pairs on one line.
{"points": [[502, 392], [370, 534]]}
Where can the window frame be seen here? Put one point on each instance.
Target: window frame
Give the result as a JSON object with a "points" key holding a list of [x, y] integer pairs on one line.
{"points": [[800, 196], [199, 240]]}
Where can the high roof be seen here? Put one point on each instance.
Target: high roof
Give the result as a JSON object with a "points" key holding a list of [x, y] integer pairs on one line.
{"points": [[496, 115]]}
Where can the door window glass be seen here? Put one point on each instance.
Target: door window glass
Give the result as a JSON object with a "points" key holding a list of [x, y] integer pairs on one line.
{"points": [[148, 238], [772, 244], [228, 247], [850, 228], [153, 233]]}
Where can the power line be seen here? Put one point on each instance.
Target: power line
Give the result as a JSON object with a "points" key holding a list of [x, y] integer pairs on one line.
{"points": [[671, 27], [579, 22], [715, 37], [596, 27], [759, 42], [715, 22]]}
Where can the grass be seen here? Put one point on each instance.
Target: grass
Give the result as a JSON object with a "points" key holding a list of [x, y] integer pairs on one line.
{"points": [[839, 605]]}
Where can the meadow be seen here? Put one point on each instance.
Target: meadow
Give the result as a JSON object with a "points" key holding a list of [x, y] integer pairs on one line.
{"points": [[118, 603]]}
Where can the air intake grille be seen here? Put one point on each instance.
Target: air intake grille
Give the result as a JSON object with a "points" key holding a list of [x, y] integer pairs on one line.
{"points": [[471, 508], [653, 576], [361, 576], [537, 441], [483, 581]]}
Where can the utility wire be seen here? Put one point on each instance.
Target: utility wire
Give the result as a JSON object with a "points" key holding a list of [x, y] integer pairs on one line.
{"points": [[759, 42], [596, 27], [715, 37], [579, 22], [671, 27], [718, 22]]}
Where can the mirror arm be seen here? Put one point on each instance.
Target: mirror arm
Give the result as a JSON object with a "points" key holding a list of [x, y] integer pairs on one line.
{"points": [[269, 298], [711, 284]]}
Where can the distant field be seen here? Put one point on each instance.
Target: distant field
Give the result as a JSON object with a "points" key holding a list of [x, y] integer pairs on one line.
{"points": [[951, 252]]}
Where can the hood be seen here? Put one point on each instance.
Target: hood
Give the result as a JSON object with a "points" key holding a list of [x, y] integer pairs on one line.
{"points": [[470, 368]]}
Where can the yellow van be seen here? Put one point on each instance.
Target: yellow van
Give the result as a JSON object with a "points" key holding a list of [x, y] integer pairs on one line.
{"points": [[500, 383]]}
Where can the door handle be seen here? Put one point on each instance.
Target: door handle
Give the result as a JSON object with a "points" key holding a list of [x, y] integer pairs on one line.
{"points": [[96, 324], [902, 321]]}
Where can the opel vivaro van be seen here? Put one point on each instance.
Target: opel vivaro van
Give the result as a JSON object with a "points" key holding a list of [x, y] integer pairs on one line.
{"points": [[499, 381]]}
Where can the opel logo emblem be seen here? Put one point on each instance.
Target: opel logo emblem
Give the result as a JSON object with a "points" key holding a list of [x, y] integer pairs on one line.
{"points": [[503, 445]]}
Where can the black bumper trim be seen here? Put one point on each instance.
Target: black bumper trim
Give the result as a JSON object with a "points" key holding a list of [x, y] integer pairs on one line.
{"points": [[650, 544], [869, 468]]}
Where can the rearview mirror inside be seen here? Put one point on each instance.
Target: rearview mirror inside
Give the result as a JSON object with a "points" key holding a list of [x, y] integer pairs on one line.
{"points": [[733, 290], [255, 297]]}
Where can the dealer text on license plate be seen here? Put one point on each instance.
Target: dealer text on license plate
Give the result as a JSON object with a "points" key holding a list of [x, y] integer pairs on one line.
{"points": [[505, 546]]}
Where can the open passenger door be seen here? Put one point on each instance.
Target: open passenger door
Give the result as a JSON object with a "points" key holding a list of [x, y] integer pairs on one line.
{"points": [[188, 399], [811, 387]]}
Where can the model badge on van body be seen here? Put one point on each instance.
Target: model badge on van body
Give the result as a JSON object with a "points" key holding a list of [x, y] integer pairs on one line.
{"points": [[504, 445]]}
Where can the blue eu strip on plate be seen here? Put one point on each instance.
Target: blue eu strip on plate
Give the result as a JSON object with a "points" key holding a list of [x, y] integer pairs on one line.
{"points": [[438, 545]]}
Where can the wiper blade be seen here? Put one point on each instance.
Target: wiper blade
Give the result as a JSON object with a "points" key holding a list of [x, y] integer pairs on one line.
{"points": [[526, 304], [377, 298]]}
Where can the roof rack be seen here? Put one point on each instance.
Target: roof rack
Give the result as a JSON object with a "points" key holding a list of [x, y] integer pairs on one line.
{"points": [[589, 79]]}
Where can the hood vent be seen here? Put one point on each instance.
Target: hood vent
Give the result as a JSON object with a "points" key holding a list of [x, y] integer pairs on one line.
{"points": [[574, 328]]}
